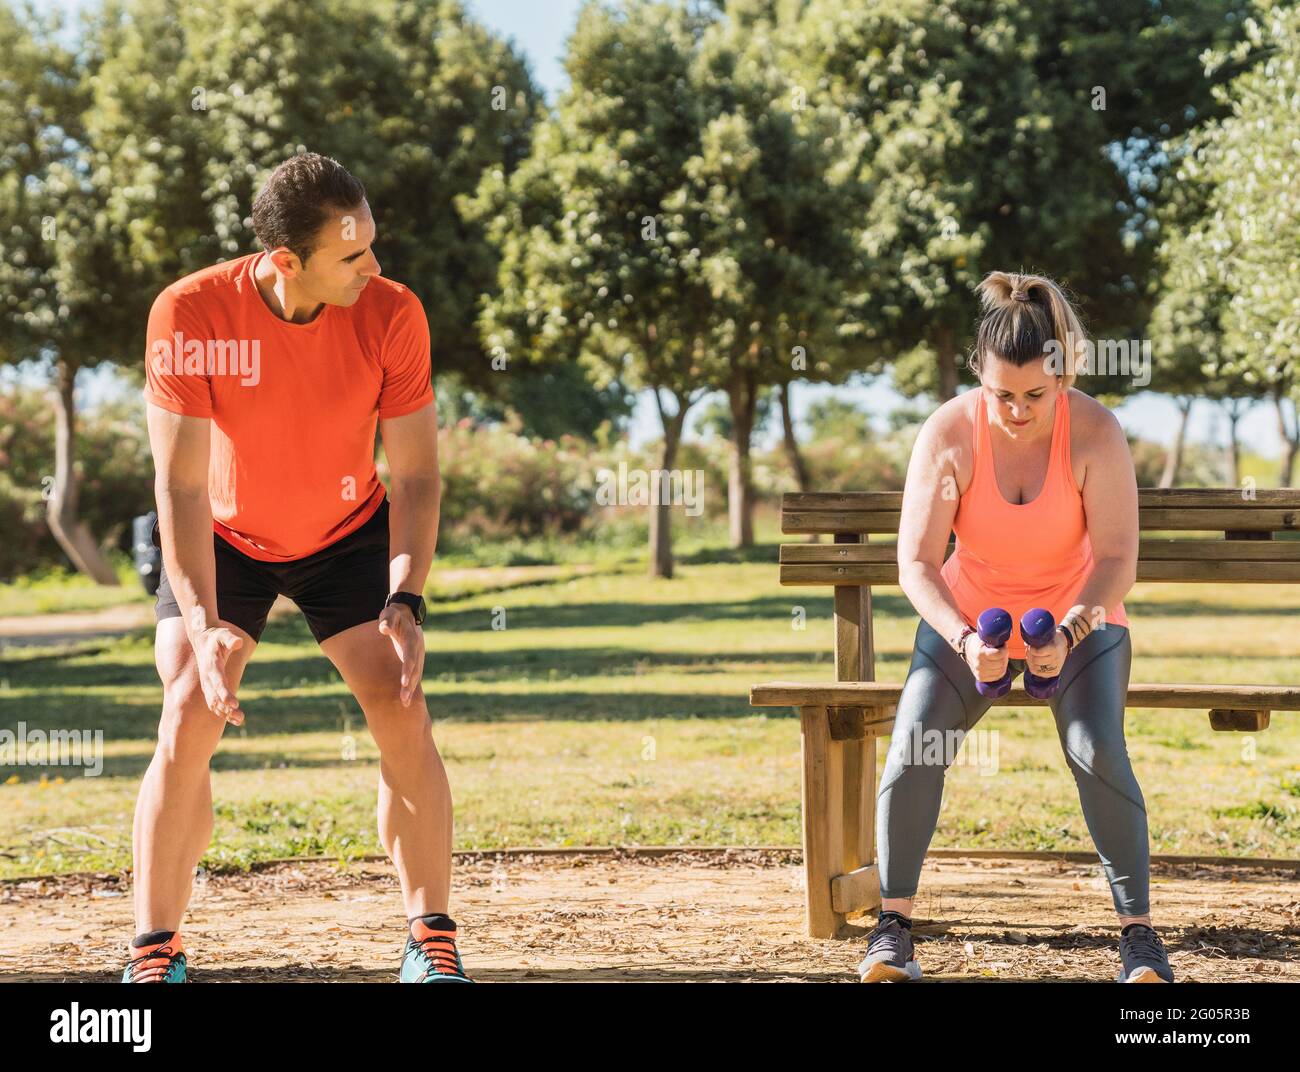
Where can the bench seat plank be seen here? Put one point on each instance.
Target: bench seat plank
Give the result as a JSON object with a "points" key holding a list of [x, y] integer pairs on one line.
{"points": [[886, 694]]}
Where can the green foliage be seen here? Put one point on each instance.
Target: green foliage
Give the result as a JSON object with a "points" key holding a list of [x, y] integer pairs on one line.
{"points": [[114, 468], [987, 149], [499, 484], [62, 299], [1201, 466], [837, 418], [1230, 310], [195, 104], [593, 268], [555, 400]]}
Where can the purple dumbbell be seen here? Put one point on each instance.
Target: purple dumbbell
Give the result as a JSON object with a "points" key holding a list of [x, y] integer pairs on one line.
{"points": [[1038, 630], [994, 628]]}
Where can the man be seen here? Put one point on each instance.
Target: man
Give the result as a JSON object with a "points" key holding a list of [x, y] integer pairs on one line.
{"points": [[266, 377]]}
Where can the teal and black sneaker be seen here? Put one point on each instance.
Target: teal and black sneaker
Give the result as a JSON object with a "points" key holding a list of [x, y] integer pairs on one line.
{"points": [[156, 957], [431, 955]]}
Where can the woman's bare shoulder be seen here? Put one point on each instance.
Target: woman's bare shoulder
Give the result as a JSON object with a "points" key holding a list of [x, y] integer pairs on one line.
{"points": [[948, 437], [1091, 421], [1096, 435], [950, 425]]}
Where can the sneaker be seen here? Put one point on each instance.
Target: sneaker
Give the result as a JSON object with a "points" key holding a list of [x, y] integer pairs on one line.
{"points": [[891, 957], [156, 961], [431, 955], [1143, 956]]}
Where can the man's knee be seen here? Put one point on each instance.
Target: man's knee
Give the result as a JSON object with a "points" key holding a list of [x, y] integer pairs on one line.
{"points": [[398, 729], [188, 732]]}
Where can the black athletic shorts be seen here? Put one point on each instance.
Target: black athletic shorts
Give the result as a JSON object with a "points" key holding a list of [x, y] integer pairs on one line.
{"points": [[342, 585]]}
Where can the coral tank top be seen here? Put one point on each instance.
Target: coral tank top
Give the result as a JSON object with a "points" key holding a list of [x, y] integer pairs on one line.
{"points": [[1021, 556]]}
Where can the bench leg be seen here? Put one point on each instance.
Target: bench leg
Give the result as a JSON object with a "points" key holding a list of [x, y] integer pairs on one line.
{"points": [[823, 819], [838, 825], [1227, 720], [860, 810]]}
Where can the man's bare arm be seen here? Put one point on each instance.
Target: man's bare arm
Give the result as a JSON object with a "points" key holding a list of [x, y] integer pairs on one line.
{"points": [[180, 448], [415, 494], [180, 458]]}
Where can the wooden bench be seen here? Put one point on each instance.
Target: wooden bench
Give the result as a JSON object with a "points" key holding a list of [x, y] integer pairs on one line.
{"points": [[841, 720]]}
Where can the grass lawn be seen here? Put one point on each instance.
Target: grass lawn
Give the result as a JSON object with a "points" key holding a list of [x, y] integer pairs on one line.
{"points": [[610, 709]]}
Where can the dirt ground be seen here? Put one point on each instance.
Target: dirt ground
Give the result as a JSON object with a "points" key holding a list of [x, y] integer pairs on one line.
{"points": [[734, 916]]}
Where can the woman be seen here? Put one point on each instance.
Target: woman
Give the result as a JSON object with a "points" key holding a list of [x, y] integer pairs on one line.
{"points": [[1037, 481]]}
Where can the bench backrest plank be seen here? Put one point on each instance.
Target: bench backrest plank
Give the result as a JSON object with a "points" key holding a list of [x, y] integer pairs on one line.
{"points": [[1159, 509], [1242, 550]]}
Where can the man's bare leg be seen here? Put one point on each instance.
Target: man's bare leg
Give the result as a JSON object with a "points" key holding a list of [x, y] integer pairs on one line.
{"points": [[414, 797], [173, 813]]}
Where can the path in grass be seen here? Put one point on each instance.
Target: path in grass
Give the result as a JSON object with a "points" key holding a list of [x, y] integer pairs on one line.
{"points": [[603, 708], [681, 918]]}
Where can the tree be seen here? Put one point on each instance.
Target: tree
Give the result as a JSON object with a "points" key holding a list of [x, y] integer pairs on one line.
{"points": [[416, 99], [1229, 289], [1005, 136], [555, 400], [59, 272], [135, 159], [838, 417], [595, 266], [773, 204]]}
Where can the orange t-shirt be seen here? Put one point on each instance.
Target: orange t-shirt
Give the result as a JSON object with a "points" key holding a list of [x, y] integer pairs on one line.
{"points": [[1022, 556], [293, 407]]}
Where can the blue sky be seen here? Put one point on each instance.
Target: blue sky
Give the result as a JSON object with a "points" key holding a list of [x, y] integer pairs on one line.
{"points": [[539, 29]]}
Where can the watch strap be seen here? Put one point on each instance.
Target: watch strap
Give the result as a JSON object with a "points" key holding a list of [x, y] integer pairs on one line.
{"points": [[408, 599]]}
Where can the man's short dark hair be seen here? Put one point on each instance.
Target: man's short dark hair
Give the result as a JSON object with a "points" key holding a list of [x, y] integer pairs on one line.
{"points": [[299, 198]]}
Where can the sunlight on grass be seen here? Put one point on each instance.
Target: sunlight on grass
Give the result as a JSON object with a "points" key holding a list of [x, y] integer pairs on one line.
{"points": [[609, 709]]}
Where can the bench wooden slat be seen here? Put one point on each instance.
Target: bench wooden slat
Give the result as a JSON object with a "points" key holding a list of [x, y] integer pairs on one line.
{"points": [[1155, 498], [886, 694], [1204, 572], [1219, 550], [1216, 550], [1187, 519], [1211, 572], [1220, 519]]}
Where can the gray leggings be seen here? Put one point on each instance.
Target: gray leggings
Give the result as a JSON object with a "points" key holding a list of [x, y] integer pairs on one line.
{"points": [[940, 695]]}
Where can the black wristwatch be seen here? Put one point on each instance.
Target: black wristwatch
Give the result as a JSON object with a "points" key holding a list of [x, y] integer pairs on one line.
{"points": [[416, 603]]}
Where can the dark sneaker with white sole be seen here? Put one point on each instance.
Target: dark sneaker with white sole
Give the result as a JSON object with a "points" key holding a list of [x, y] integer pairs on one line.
{"points": [[891, 957], [1143, 956]]}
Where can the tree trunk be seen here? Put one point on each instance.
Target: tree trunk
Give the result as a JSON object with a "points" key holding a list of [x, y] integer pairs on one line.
{"points": [[945, 342], [1174, 457], [61, 513], [1234, 446], [661, 518], [743, 396], [1290, 434], [792, 451]]}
